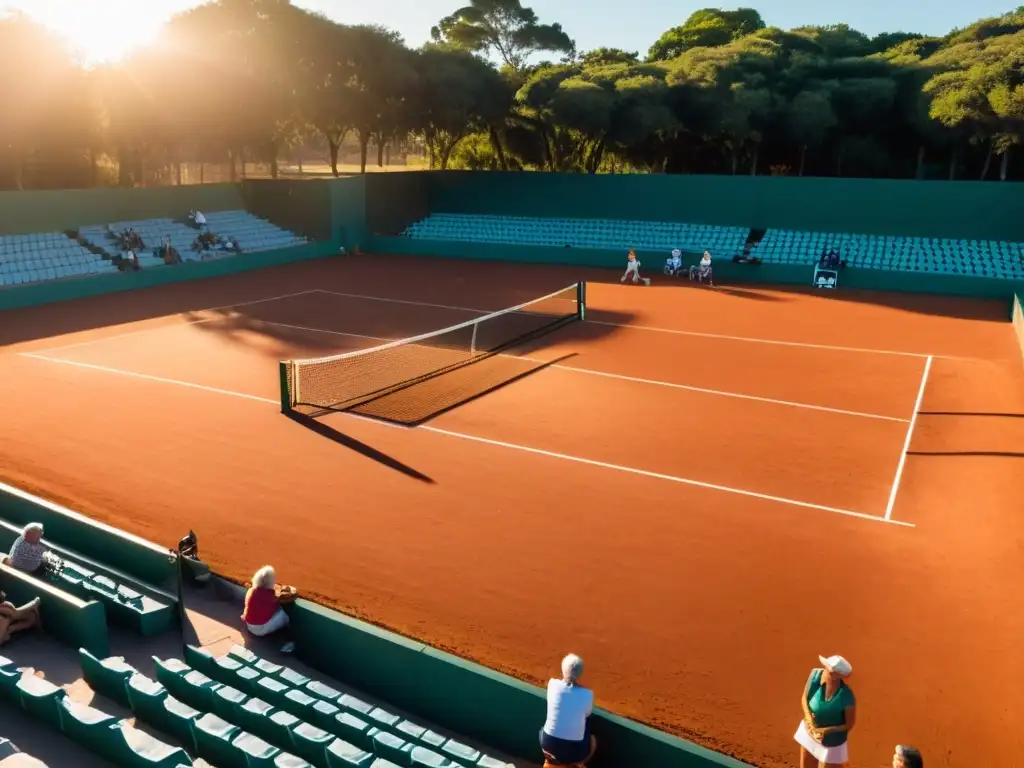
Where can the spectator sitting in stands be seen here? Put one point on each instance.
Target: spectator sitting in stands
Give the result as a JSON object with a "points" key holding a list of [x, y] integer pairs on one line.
{"points": [[14, 619], [565, 737], [197, 218], [907, 757], [263, 614], [28, 550], [235, 245], [830, 260]]}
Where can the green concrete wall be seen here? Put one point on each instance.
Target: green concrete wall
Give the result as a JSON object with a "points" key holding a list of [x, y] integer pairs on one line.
{"points": [[470, 699], [980, 210], [79, 288], [348, 211], [396, 200], [303, 207], [61, 210], [130, 554], [725, 271]]}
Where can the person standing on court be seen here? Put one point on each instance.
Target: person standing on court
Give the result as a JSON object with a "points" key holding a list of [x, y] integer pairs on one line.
{"points": [[829, 714]]}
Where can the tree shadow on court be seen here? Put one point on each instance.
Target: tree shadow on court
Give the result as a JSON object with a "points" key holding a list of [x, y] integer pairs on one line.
{"points": [[347, 441]]}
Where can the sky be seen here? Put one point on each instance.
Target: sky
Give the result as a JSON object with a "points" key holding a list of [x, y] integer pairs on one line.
{"points": [[106, 30]]}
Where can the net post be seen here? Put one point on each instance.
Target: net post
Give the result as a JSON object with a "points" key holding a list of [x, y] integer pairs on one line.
{"points": [[472, 342], [286, 394], [581, 299]]}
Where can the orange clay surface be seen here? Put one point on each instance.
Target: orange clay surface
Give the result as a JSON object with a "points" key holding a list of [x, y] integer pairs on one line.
{"points": [[691, 545]]}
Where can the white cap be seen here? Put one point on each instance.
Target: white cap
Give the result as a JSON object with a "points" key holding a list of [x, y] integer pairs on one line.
{"points": [[836, 664]]}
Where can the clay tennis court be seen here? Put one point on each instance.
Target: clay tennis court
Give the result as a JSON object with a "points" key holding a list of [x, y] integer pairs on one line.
{"points": [[710, 488]]}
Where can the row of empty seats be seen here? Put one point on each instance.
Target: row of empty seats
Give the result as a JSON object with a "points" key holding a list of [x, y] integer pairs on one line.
{"points": [[251, 232], [34, 258], [582, 233], [909, 254]]}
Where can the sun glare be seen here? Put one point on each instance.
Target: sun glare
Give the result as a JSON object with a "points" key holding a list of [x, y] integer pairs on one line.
{"points": [[103, 30]]}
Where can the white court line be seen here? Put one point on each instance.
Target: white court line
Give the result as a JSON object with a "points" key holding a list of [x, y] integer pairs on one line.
{"points": [[633, 379], [496, 443], [906, 442], [722, 337], [126, 334]]}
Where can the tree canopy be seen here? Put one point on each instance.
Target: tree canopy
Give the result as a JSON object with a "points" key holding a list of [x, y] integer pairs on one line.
{"points": [[723, 92]]}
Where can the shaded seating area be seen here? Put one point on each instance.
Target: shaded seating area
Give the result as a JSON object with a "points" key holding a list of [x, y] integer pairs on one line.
{"points": [[103, 237], [613, 234], [35, 258], [985, 258], [252, 232]]}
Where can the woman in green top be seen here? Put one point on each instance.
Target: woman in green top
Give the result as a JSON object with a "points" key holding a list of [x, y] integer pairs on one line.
{"points": [[830, 712]]}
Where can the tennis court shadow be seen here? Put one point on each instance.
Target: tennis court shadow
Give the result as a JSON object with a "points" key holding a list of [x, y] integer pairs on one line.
{"points": [[425, 400], [358, 446]]}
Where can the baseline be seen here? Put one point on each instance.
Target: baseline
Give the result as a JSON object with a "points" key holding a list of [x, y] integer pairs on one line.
{"points": [[491, 442]]}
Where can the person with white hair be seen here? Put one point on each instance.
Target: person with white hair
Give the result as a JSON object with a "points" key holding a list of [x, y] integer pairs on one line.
{"points": [[830, 712], [27, 552], [703, 273], [263, 614], [565, 738], [674, 263]]}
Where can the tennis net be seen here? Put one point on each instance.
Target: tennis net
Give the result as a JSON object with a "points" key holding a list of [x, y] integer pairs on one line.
{"points": [[346, 381]]}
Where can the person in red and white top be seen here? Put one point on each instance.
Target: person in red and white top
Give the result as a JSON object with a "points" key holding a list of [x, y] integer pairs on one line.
{"points": [[263, 614]]}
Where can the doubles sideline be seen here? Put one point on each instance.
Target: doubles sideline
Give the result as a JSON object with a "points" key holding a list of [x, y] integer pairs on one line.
{"points": [[487, 441]]}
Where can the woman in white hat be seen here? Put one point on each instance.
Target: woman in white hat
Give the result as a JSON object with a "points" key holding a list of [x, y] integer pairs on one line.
{"points": [[830, 712]]}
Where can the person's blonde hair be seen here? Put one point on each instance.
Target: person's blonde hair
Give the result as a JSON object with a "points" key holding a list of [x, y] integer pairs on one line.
{"points": [[265, 577]]}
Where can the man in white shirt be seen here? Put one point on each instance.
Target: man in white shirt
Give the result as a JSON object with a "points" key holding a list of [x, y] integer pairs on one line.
{"points": [[565, 737]]}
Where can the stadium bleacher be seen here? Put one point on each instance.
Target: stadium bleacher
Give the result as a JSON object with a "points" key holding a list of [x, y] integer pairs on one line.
{"points": [[906, 254], [778, 246], [251, 232], [48, 256], [582, 233]]}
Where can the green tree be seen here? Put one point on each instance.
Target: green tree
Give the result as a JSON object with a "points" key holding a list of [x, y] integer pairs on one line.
{"points": [[706, 28], [504, 29]]}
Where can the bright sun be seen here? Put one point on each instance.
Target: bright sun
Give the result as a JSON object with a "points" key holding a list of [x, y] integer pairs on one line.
{"points": [[103, 30]]}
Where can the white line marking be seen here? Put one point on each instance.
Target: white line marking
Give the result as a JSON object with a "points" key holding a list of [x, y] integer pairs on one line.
{"points": [[906, 442], [497, 443], [722, 337], [147, 377], [126, 334], [634, 379]]}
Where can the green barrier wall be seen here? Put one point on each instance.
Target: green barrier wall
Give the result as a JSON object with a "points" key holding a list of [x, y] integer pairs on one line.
{"points": [[303, 207], [348, 211], [65, 290], [74, 622], [61, 210], [469, 699], [396, 200], [979, 210], [130, 554], [725, 271], [1018, 317]]}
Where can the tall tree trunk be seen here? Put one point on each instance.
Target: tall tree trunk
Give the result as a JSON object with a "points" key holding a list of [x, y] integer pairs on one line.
{"points": [[177, 172], [1004, 164], [988, 160], [334, 146], [364, 150], [499, 149], [919, 170], [381, 145], [754, 159], [275, 171]]}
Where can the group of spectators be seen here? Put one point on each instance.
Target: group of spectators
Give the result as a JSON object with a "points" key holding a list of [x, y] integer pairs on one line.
{"points": [[829, 713], [829, 708], [207, 241], [28, 554]]}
